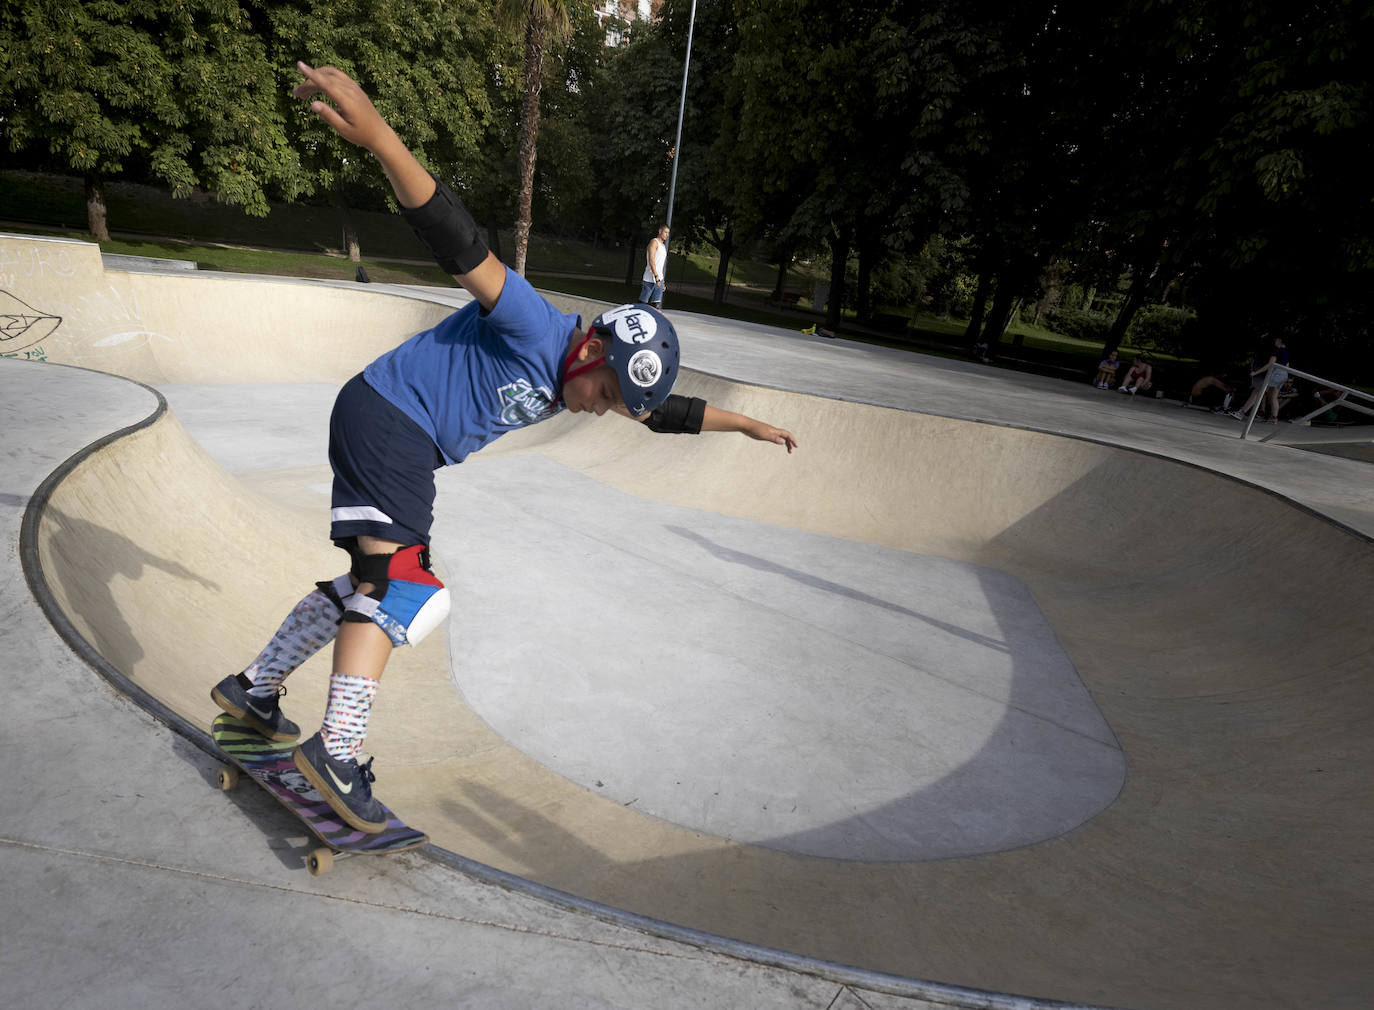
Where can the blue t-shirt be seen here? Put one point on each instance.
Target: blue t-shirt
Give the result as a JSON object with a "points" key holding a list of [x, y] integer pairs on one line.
{"points": [[478, 375]]}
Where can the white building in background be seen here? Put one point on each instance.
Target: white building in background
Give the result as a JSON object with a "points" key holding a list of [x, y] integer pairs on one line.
{"points": [[616, 16]]}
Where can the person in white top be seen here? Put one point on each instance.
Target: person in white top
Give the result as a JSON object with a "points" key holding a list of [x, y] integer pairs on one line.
{"points": [[656, 259]]}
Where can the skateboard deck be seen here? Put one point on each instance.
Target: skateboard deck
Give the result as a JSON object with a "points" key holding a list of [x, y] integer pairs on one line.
{"points": [[269, 763]]}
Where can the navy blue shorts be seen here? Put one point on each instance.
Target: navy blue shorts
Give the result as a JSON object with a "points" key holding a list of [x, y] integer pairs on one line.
{"points": [[384, 467]]}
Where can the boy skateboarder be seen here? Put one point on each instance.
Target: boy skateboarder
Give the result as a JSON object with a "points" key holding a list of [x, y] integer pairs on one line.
{"points": [[506, 360]]}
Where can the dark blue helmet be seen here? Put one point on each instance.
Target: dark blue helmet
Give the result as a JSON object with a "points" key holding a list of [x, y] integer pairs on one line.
{"points": [[642, 348]]}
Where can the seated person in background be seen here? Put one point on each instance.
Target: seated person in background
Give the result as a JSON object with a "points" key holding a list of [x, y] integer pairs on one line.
{"points": [[1106, 371], [1288, 394], [1321, 396], [1138, 378], [1212, 380]]}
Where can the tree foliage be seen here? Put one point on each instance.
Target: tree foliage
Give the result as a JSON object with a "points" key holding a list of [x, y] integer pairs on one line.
{"points": [[1197, 155], [425, 64], [179, 92], [637, 100], [540, 22]]}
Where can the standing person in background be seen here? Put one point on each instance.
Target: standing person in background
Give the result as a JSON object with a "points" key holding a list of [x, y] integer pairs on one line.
{"points": [[1266, 383], [655, 263]]}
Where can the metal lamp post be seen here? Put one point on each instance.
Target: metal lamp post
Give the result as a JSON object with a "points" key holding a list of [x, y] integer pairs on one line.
{"points": [[677, 144]]}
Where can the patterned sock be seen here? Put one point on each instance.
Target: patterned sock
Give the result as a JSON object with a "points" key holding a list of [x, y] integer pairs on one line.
{"points": [[306, 630], [345, 718]]}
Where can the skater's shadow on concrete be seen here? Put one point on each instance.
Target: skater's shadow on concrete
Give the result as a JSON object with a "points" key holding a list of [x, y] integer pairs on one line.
{"points": [[758, 564], [526, 838], [82, 561]]}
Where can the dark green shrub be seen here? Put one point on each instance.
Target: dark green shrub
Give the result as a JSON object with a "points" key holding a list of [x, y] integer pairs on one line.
{"points": [[1160, 328], [1080, 324]]}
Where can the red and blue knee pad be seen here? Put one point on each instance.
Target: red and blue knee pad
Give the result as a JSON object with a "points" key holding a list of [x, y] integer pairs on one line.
{"points": [[406, 600]]}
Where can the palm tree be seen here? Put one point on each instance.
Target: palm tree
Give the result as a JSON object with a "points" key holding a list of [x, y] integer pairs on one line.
{"points": [[538, 18]]}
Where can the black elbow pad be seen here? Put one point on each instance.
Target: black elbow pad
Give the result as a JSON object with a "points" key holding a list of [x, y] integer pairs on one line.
{"points": [[679, 415], [448, 231]]}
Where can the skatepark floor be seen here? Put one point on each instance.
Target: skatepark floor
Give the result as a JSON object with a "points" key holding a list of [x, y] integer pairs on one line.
{"points": [[999, 684]]}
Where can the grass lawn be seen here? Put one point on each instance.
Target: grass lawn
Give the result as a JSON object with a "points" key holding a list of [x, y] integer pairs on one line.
{"points": [[270, 261], [303, 241], [568, 267]]}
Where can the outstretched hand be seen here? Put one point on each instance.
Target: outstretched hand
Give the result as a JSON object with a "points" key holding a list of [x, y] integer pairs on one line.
{"points": [[766, 432], [352, 115], [715, 419]]}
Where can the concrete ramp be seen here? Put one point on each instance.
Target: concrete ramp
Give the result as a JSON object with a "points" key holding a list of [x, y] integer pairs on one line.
{"points": [[949, 700]]}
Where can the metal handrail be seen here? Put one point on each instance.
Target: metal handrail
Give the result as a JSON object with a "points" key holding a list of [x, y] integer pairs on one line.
{"points": [[1341, 400]]}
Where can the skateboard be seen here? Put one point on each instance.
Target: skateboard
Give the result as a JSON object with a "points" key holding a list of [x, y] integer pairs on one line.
{"points": [[269, 763]]}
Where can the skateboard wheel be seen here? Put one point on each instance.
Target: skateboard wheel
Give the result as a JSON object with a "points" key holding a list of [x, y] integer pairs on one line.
{"points": [[228, 777], [319, 861]]}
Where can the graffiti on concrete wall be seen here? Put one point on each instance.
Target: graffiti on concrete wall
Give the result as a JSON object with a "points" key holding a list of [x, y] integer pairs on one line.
{"points": [[34, 260], [22, 327], [98, 320], [116, 319]]}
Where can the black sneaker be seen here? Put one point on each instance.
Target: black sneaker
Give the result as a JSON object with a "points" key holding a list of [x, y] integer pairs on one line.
{"points": [[263, 714], [345, 785]]}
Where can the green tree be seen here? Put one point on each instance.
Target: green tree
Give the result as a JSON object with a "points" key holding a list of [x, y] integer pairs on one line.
{"points": [[1285, 220], [708, 197], [178, 92], [536, 19], [864, 117], [565, 187], [426, 64], [1038, 104], [636, 103], [1229, 167], [802, 86]]}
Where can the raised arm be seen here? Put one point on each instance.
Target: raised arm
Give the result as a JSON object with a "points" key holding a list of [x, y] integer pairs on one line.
{"points": [[353, 117]]}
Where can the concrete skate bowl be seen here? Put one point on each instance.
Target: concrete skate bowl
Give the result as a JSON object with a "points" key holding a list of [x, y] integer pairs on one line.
{"points": [[1215, 854]]}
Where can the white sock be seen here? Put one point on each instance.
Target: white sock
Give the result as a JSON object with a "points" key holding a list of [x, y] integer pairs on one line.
{"points": [[345, 717]]}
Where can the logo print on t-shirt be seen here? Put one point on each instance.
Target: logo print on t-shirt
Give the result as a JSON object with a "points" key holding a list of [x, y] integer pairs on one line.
{"points": [[522, 403]]}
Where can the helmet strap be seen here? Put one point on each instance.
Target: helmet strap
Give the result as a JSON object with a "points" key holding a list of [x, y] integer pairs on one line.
{"points": [[570, 372]]}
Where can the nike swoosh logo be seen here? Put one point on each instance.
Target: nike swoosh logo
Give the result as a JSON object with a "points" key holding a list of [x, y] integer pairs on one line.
{"points": [[345, 789], [259, 712]]}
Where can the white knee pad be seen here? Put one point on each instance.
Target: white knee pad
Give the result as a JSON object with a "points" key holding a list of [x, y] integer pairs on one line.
{"points": [[408, 602], [429, 615]]}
